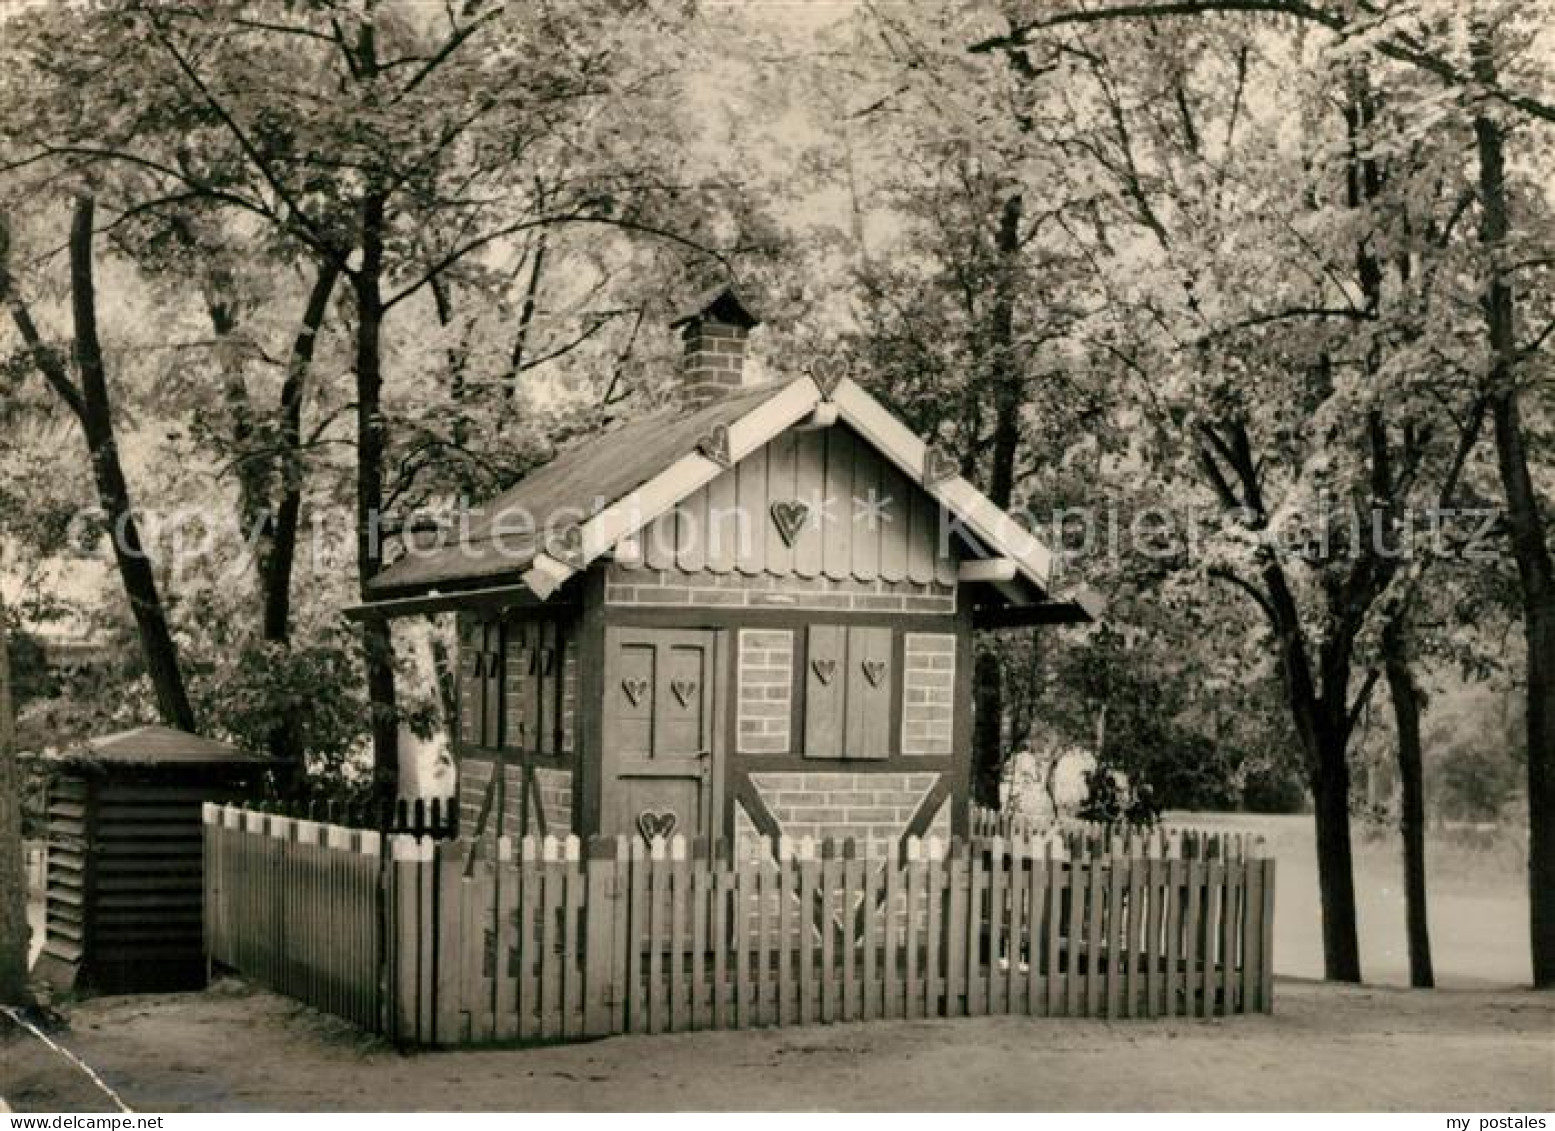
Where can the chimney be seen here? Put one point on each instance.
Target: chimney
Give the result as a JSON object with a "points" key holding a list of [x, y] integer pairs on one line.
{"points": [[714, 328]]}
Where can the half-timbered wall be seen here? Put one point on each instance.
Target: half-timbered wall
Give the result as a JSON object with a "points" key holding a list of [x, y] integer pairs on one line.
{"points": [[518, 685], [518, 700]]}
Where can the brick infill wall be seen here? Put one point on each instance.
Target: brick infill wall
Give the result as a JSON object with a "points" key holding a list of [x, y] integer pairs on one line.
{"points": [[634, 586]]}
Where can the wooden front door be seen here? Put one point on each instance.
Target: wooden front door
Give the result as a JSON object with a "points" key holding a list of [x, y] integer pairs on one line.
{"points": [[662, 759]]}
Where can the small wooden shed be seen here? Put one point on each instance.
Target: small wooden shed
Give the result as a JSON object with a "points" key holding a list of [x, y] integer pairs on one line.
{"points": [[124, 868], [750, 614]]}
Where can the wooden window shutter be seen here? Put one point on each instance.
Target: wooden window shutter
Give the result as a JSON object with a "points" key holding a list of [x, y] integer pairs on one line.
{"points": [[547, 683], [871, 679], [825, 701], [468, 686], [521, 696], [491, 685]]}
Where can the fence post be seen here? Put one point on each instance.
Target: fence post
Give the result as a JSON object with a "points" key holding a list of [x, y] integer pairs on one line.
{"points": [[604, 890], [410, 957]]}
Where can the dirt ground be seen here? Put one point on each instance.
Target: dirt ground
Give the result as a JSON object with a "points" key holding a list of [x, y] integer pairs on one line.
{"points": [[1325, 1048]]}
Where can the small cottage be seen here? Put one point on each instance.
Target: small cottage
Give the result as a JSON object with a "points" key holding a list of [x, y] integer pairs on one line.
{"points": [[751, 614]]}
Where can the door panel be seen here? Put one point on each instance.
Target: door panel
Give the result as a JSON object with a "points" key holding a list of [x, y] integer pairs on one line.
{"points": [[662, 758], [634, 700]]}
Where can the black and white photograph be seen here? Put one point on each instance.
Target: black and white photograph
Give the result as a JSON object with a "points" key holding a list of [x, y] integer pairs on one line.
{"points": [[809, 556]]}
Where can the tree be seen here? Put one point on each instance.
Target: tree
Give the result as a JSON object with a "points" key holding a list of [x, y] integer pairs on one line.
{"points": [[14, 931], [90, 403], [1429, 43], [403, 149]]}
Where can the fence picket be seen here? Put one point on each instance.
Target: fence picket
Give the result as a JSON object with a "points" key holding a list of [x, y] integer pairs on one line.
{"points": [[869, 914], [680, 875], [956, 920], [852, 883], [933, 929], [1017, 931], [572, 940], [701, 1012], [764, 1008], [1113, 937], [785, 929]]}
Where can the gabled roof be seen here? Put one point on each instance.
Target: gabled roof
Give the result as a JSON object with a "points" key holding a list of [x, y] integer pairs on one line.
{"points": [[613, 485]]}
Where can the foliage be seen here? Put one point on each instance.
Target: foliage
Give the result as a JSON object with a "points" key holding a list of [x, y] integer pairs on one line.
{"points": [[1108, 802]]}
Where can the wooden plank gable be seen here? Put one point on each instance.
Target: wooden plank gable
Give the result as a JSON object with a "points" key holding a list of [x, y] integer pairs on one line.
{"points": [[863, 519]]}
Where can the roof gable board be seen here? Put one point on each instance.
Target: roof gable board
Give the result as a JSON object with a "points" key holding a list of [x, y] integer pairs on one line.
{"points": [[600, 533]]}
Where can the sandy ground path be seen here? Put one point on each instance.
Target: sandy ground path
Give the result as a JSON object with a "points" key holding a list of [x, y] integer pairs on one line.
{"points": [[1326, 1048]]}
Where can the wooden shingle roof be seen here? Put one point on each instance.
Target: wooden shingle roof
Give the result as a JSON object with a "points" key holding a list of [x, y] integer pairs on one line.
{"points": [[580, 481]]}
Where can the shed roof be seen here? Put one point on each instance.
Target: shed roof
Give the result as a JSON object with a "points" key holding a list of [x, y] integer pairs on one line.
{"points": [[161, 745]]}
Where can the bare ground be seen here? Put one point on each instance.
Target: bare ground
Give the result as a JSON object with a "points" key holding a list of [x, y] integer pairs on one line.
{"points": [[1326, 1048]]}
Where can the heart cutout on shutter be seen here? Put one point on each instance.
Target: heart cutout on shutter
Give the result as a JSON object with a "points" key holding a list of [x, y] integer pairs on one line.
{"points": [[824, 670], [938, 466], [789, 517], [714, 444], [874, 671], [655, 824], [566, 546], [683, 689], [635, 690]]}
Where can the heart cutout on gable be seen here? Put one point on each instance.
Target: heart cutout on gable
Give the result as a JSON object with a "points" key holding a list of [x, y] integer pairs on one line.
{"points": [[828, 372], [683, 690], [714, 444], [789, 517], [938, 466], [656, 824], [635, 690], [824, 670], [874, 671], [566, 546]]}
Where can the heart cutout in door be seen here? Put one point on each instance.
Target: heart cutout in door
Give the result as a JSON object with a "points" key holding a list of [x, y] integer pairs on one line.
{"points": [[683, 690], [789, 516], [874, 671], [654, 824], [635, 690], [824, 670]]}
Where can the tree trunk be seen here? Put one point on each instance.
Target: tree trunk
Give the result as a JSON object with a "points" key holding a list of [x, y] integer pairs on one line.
{"points": [[988, 752], [377, 641], [1405, 695], [113, 493], [278, 553], [15, 934], [277, 565], [1335, 869], [1525, 523]]}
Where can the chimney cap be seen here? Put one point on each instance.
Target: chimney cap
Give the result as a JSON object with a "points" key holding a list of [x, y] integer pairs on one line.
{"points": [[719, 304]]}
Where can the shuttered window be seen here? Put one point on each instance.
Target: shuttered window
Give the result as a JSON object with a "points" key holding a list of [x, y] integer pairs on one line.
{"points": [[850, 685]]}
